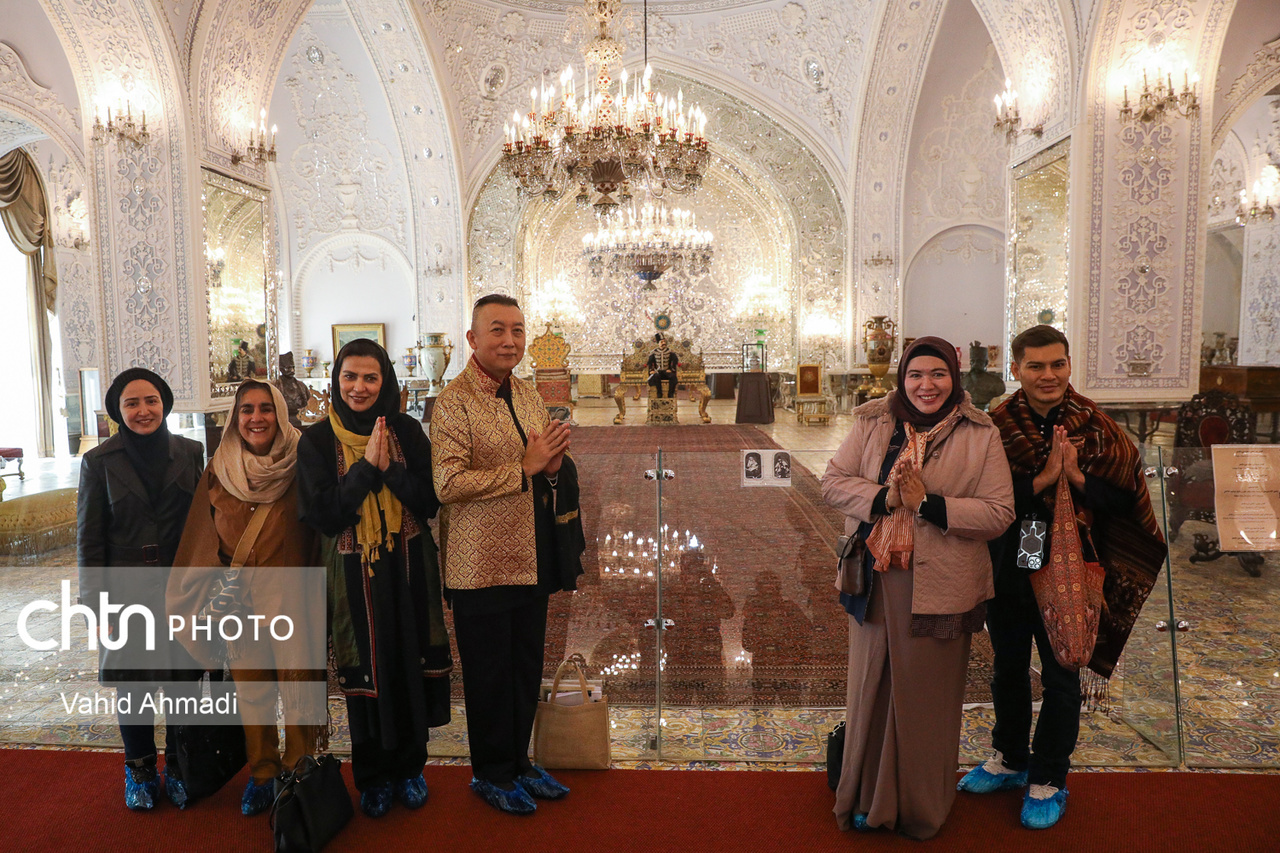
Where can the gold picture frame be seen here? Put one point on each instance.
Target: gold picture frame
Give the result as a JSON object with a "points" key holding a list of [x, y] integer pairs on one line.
{"points": [[344, 332]]}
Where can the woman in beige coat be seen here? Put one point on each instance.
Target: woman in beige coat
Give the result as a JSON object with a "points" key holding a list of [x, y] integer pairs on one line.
{"points": [[922, 478]]}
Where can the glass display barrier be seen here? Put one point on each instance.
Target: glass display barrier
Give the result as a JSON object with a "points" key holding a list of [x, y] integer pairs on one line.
{"points": [[707, 615], [1226, 601]]}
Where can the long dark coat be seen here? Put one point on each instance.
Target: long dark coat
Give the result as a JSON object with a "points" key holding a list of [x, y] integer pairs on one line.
{"points": [[116, 527], [394, 614]]}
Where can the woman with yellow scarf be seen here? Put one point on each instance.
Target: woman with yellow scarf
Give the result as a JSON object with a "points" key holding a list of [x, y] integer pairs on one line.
{"points": [[365, 484]]}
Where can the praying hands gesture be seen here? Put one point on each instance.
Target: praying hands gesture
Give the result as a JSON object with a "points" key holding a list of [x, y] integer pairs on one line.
{"points": [[1063, 457], [377, 452], [906, 488], [545, 451]]}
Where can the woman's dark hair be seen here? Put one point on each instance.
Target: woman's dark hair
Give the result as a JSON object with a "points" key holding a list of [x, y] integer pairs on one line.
{"points": [[1037, 336]]}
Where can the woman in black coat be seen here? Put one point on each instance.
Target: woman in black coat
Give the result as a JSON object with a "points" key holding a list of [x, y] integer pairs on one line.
{"points": [[364, 482], [135, 491]]}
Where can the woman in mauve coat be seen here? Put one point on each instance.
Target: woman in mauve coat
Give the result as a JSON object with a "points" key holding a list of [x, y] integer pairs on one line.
{"points": [[922, 478]]}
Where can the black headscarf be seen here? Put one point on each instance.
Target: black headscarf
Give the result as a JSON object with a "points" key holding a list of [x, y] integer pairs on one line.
{"points": [[901, 407], [388, 402], [148, 453]]}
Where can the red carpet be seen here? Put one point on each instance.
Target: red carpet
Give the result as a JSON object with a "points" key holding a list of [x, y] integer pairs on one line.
{"points": [[73, 801]]}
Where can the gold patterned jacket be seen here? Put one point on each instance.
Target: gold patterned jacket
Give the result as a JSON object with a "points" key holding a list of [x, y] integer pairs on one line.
{"points": [[487, 535]]}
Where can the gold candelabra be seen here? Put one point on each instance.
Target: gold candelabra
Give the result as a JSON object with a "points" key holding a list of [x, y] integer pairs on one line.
{"points": [[1008, 119], [122, 127], [257, 151], [1154, 101]]}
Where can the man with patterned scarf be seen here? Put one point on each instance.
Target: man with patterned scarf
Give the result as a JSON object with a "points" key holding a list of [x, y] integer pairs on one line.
{"points": [[1050, 431]]}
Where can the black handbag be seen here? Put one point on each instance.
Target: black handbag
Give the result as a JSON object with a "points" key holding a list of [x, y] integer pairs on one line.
{"points": [[209, 756], [312, 807], [835, 755]]}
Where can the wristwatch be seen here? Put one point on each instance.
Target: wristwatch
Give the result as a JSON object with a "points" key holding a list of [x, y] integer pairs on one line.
{"points": [[920, 508]]}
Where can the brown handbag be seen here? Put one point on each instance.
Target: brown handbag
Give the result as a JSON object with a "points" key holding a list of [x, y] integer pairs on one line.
{"points": [[850, 578], [571, 737], [1069, 589]]}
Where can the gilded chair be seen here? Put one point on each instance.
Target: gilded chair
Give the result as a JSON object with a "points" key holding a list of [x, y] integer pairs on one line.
{"points": [[691, 375], [812, 404], [549, 354]]}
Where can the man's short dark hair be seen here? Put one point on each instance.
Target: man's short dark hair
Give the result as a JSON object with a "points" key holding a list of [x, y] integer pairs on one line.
{"points": [[1037, 336], [492, 299]]}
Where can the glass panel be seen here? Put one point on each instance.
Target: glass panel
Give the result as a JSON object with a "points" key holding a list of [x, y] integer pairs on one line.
{"points": [[1132, 722], [755, 660], [604, 621], [1226, 605]]}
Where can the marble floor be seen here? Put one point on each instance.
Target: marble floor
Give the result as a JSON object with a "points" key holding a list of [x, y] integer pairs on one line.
{"points": [[1227, 666]]}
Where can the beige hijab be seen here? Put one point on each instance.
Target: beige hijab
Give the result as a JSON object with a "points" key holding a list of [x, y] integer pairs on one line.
{"points": [[252, 478]]}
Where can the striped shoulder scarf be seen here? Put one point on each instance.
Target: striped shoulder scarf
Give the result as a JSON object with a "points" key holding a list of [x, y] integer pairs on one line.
{"points": [[1130, 547]]}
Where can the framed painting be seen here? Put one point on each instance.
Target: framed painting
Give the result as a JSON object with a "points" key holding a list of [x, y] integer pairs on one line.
{"points": [[809, 379], [344, 333]]}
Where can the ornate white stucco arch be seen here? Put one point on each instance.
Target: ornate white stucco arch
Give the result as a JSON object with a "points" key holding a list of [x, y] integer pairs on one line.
{"points": [[790, 186], [141, 199]]}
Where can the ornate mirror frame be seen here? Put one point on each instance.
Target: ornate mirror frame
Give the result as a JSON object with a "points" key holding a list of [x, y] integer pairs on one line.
{"points": [[1039, 231], [239, 253]]}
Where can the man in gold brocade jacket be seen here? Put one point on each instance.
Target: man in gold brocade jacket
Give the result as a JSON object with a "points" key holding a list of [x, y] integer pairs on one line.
{"points": [[510, 537]]}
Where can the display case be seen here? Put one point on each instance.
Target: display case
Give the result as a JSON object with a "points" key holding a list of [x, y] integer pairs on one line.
{"points": [[753, 357]]}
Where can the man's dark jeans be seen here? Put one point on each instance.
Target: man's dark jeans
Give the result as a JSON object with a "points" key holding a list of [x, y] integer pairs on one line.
{"points": [[1013, 619]]}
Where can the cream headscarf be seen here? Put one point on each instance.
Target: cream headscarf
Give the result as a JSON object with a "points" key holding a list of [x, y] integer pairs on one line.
{"points": [[247, 476]]}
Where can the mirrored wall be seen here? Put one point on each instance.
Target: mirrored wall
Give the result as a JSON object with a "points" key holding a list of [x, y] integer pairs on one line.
{"points": [[1038, 237], [239, 285]]}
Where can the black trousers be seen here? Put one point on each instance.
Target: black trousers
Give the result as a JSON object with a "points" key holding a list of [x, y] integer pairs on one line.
{"points": [[657, 379], [139, 737], [373, 764], [501, 655], [1013, 620]]}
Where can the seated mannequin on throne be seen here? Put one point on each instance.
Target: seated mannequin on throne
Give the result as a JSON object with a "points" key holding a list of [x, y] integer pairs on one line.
{"points": [[662, 367], [673, 363]]}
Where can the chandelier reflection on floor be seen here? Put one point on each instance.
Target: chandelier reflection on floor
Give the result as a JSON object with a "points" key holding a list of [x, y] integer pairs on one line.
{"points": [[608, 141], [648, 241]]}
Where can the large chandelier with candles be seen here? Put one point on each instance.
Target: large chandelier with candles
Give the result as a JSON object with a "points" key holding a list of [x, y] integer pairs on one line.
{"points": [[647, 242], [606, 140]]}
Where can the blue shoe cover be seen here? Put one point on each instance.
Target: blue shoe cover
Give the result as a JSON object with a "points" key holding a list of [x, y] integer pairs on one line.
{"points": [[140, 795], [175, 790], [1042, 814], [257, 798], [860, 823], [376, 801], [412, 792], [544, 786], [515, 801], [979, 780]]}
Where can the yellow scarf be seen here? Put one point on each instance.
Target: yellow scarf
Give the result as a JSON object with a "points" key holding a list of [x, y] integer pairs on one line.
{"points": [[379, 505]]}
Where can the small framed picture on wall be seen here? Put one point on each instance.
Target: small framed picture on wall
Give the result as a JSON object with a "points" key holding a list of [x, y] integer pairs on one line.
{"points": [[344, 333]]}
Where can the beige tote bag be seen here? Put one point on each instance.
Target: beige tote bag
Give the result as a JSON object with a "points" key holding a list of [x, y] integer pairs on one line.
{"points": [[571, 737]]}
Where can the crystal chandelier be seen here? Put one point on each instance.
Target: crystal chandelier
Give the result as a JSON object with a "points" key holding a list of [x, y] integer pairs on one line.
{"points": [[648, 242], [607, 141]]}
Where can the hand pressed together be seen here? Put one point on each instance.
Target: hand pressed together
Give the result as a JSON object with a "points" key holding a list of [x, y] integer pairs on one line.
{"points": [[377, 452], [545, 451]]}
